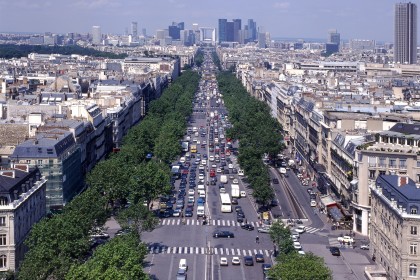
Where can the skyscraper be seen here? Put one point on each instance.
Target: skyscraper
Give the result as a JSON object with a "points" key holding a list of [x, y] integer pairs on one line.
{"points": [[334, 37], [222, 30], [96, 35], [134, 29], [237, 25], [405, 33], [252, 30]]}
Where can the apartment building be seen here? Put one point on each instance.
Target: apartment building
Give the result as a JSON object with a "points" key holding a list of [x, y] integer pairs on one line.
{"points": [[395, 225], [22, 204]]}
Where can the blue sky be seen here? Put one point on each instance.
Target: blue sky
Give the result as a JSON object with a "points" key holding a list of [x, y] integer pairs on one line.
{"points": [[362, 19]]}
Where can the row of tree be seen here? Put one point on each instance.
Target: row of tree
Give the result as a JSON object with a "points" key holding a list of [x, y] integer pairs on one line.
{"points": [[291, 265], [258, 134], [60, 246], [8, 51]]}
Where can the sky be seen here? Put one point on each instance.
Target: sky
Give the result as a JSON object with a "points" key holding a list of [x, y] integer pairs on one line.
{"points": [[353, 19]]}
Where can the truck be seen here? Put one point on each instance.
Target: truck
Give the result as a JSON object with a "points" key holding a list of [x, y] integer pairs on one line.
{"points": [[235, 191], [223, 179]]}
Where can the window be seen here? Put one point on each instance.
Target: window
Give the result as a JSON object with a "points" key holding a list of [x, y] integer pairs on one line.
{"points": [[382, 162], [418, 163], [412, 270], [403, 163], [413, 210], [413, 248], [3, 200], [417, 178], [382, 172], [372, 174], [3, 261], [413, 230], [2, 239], [392, 163], [2, 221]]}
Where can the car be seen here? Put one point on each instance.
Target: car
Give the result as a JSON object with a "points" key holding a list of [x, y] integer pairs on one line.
{"points": [[236, 261], [365, 247], [295, 234], [177, 212], [188, 213], [294, 238], [297, 245], [275, 181], [263, 229], [223, 261], [234, 201], [259, 258], [248, 227], [300, 229], [345, 239], [248, 260], [239, 219], [335, 251], [240, 214], [235, 181], [191, 192], [238, 208], [266, 267], [182, 274], [301, 252], [223, 234]]}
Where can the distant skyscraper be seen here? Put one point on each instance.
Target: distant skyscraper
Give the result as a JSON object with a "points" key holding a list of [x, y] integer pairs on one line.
{"points": [[143, 31], [334, 37], [134, 29], [405, 33], [252, 30], [222, 30], [96, 35], [237, 25]]}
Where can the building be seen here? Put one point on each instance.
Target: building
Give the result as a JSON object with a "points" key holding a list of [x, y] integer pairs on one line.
{"points": [[222, 30], [237, 26], [252, 30], [22, 204], [405, 33], [96, 35], [360, 44], [134, 29], [58, 158], [334, 37], [395, 225]]}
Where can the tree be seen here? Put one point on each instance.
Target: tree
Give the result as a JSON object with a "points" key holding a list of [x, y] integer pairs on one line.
{"points": [[280, 235], [137, 217], [295, 266], [121, 258]]}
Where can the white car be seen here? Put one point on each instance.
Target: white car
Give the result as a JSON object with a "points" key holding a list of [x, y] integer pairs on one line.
{"points": [[218, 170], [191, 192], [297, 245], [301, 252], [201, 177], [295, 235], [211, 158], [345, 239], [235, 181], [214, 166], [295, 239], [224, 261], [263, 229], [198, 142], [300, 229], [236, 261], [230, 165]]}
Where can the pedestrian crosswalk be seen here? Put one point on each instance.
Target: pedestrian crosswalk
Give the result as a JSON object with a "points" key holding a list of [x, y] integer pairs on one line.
{"points": [[312, 230], [161, 249], [195, 222]]}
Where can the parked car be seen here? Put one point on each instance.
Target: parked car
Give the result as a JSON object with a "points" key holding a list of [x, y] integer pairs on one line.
{"points": [[266, 267], [300, 229], [223, 261], [263, 229], [365, 247], [297, 245]]}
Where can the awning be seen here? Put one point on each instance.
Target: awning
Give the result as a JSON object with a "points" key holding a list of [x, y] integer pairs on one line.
{"points": [[335, 213], [354, 182], [328, 201]]}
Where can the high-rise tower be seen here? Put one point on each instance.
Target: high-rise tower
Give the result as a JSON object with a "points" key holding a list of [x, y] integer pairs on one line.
{"points": [[134, 29], [96, 35], [405, 33]]}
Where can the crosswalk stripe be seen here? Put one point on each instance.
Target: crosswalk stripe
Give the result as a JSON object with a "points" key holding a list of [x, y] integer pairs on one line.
{"points": [[215, 251], [250, 253], [223, 222], [261, 252], [202, 250], [244, 252], [186, 250], [196, 250], [173, 222], [266, 253], [213, 222], [221, 251], [179, 250], [255, 251], [233, 251], [239, 252], [227, 252], [228, 223], [191, 250], [218, 222], [188, 222], [178, 222]]}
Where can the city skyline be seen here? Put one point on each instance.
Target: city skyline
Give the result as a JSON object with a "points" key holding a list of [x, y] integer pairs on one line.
{"points": [[294, 19]]}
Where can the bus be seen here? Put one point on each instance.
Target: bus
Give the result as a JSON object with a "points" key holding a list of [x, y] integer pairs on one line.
{"points": [[226, 205], [176, 171]]}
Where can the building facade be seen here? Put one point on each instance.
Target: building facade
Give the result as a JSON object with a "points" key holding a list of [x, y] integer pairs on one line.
{"points": [[395, 226], [22, 204]]}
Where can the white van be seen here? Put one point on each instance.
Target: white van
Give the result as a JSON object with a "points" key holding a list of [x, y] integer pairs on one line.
{"points": [[183, 264], [243, 193], [203, 162]]}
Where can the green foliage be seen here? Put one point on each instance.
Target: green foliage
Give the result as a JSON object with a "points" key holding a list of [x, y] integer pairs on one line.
{"points": [[16, 51], [294, 266], [258, 133], [121, 258], [138, 218], [199, 58], [281, 236], [216, 60]]}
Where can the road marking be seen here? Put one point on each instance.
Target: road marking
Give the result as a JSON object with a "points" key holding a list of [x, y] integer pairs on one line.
{"points": [[202, 250], [233, 251], [215, 251], [244, 252], [261, 252], [213, 222], [188, 222], [228, 223], [173, 222], [171, 267], [227, 252], [178, 222], [239, 252], [250, 253], [186, 250], [218, 222], [266, 253], [255, 251], [223, 222], [179, 250], [196, 250]]}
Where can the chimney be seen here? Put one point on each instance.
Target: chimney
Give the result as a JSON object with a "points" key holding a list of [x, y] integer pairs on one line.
{"points": [[23, 167], [402, 180]]}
